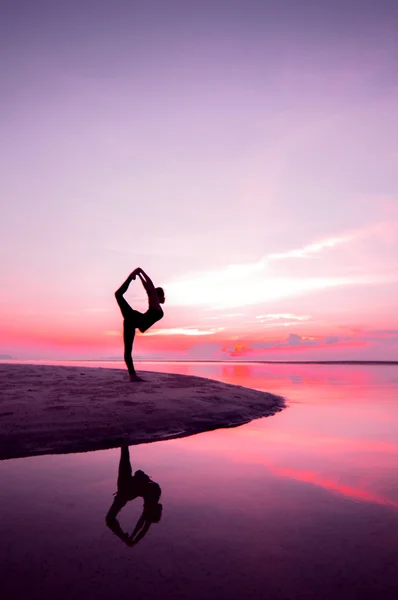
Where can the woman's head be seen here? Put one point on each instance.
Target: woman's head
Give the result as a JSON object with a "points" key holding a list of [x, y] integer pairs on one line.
{"points": [[140, 475], [161, 296]]}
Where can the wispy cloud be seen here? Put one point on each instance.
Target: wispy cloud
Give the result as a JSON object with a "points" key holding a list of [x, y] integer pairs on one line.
{"points": [[304, 252], [273, 320], [314, 248], [230, 293], [273, 324], [284, 316], [248, 284], [184, 331], [223, 316]]}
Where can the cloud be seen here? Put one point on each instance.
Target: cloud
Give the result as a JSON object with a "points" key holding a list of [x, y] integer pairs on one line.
{"points": [[249, 284], [304, 252], [228, 292], [282, 316], [384, 336], [223, 316], [204, 351], [273, 320], [237, 349], [293, 340], [313, 248], [332, 339], [386, 332], [184, 331], [283, 324]]}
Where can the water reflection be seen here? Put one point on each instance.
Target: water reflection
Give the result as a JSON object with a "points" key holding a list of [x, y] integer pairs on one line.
{"points": [[300, 505], [130, 487]]}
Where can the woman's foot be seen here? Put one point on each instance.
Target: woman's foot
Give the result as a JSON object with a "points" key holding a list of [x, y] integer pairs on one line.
{"points": [[136, 378]]}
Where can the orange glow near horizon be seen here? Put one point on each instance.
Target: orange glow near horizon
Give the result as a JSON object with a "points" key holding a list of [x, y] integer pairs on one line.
{"points": [[277, 319], [216, 346]]}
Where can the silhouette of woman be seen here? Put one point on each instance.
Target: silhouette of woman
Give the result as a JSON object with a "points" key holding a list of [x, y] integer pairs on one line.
{"points": [[133, 319], [130, 487]]}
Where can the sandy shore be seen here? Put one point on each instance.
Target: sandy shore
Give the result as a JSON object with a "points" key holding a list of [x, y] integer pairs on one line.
{"points": [[50, 410]]}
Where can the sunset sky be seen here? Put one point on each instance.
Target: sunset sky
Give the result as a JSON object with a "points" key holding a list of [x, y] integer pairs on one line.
{"points": [[243, 153]]}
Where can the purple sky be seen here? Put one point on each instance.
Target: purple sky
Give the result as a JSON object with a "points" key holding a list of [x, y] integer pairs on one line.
{"points": [[244, 153]]}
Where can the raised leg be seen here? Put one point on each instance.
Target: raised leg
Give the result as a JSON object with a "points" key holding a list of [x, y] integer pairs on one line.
{"points": [[124, 306]]}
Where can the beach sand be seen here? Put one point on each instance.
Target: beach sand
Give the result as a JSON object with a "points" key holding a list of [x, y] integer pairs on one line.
{"points": [[58, 409]]}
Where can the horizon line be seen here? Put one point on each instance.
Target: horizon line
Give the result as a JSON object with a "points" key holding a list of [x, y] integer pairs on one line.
{"points": [[161, 360]]}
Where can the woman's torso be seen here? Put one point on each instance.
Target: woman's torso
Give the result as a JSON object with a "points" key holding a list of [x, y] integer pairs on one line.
{"points": [[150, 317], [134, 488]]}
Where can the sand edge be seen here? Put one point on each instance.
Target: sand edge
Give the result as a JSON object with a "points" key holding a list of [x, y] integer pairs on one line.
{"points": [[64, 409]]}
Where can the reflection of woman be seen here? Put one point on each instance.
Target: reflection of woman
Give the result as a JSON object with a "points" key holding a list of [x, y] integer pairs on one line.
{"points": [[130, 487], [133, 319]]}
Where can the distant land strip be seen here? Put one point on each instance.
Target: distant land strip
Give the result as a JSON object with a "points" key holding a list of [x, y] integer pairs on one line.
{"points": [[186, 360]]}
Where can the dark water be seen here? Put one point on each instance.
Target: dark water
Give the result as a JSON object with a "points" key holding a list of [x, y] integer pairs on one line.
{"points": [[300, 505]]}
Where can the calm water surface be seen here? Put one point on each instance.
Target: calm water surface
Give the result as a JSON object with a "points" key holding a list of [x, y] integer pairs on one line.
{"points": [[300, 505]]}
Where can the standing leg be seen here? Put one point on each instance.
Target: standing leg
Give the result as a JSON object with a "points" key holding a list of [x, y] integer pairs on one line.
{"points": [[125, 470], [128, 339], [121, 498]]}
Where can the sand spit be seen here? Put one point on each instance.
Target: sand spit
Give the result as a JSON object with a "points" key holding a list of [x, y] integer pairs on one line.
{"points": [[51, 410]]}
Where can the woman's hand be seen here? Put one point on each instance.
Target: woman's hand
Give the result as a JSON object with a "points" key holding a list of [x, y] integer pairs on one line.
{"points": [[131, 541], [135, 273]]}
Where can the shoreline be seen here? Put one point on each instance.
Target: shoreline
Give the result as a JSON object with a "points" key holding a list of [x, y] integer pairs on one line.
{"points": [[46, 361], [67, 409]]}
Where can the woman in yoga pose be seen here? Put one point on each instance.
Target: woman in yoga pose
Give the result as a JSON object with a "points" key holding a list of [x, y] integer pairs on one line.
{"points": [[129, 487], [136, 320]]}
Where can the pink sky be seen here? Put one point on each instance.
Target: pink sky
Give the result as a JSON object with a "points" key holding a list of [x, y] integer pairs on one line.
{"points": [[244, 155]]}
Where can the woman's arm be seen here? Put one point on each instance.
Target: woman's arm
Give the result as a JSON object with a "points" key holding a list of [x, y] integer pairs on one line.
{"points": [[146, 281], [140, 530], [139, 525]]}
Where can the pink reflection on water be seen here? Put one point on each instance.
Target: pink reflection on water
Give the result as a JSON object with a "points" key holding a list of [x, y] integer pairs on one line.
{"points": [[339, 432], [346, 449]]}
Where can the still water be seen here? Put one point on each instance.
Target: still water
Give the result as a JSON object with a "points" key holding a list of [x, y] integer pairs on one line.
{"points": [[303, 504]]}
